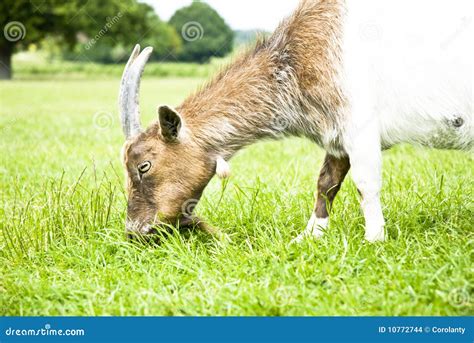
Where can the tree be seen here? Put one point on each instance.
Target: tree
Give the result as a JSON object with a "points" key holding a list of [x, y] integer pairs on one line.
{"points": [[204, 32], [94, 24], [106, 49]]}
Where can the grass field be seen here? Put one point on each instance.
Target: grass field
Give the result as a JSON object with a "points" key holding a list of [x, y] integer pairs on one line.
{"points": [[62, 214], [37, 66]]}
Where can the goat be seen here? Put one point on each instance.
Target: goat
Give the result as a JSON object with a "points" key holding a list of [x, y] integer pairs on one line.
{"points": [[327, 73]]}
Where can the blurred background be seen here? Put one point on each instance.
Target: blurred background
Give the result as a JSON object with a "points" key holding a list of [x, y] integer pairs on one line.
{"points": [[85, 38], [63, 202]]}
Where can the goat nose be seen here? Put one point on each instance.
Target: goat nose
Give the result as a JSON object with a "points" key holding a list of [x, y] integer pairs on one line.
{"points": [[147, 230], [131, 236], [134, 232]]}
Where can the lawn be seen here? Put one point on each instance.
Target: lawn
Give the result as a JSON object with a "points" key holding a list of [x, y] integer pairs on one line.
{"points": [[62, 212]]}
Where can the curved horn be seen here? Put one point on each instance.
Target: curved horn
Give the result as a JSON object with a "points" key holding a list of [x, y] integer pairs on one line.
{"points": [[129, 91]]}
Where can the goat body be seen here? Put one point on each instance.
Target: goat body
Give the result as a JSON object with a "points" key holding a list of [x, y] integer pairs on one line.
{"points": [[353, 77]]}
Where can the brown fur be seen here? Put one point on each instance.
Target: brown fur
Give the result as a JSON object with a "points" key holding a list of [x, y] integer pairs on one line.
{"points": [[330, 179], [296, 69], [159, 194], [290, 78]]}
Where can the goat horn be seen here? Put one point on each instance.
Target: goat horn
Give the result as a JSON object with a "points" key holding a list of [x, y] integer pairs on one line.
{"points": [[129, 91]]}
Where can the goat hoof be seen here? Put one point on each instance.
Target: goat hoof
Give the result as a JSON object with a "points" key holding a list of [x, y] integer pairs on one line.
{"points": [[313, 233], [377, 236]]}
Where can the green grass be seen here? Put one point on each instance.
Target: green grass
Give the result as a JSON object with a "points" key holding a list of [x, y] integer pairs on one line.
{"points": [[62, 214], [42, 69]]}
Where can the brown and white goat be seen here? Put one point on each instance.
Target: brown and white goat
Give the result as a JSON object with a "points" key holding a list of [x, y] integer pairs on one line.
{"points": [[322, 75]]}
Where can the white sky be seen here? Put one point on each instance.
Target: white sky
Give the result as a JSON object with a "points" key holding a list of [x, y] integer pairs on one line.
{"points": [[239, 14]]}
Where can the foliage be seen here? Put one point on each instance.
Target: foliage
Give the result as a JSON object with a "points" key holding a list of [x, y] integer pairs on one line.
{"points": [[89, 29], [105, 31], [205, 34], [62, 212], [148, 30]]}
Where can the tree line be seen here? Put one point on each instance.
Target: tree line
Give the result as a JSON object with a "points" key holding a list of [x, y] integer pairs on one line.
{"points": [[104, 31]]}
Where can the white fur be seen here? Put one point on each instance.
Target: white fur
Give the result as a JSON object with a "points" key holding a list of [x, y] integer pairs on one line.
{"points": [[414, 59], [222, 168], [315, 228], [407, 76]]}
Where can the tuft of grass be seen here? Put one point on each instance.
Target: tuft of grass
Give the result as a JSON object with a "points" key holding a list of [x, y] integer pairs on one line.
{"points": [[63, 250]]}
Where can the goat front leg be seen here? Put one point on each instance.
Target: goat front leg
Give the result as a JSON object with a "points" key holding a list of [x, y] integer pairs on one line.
{"points": [[330, 179], [365, 156]]}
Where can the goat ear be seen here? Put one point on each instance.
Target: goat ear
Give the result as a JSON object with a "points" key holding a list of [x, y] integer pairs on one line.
{"points": [[170, 122]]}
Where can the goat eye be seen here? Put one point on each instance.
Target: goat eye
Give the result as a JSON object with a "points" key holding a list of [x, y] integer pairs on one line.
{"points": [[144, 167]]}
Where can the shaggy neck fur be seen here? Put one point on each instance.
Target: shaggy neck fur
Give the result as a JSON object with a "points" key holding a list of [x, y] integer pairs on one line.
{"points": [[283, 86]]}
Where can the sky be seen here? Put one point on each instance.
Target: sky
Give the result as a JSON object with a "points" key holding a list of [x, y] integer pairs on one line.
{"points": [[239, 14]]}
